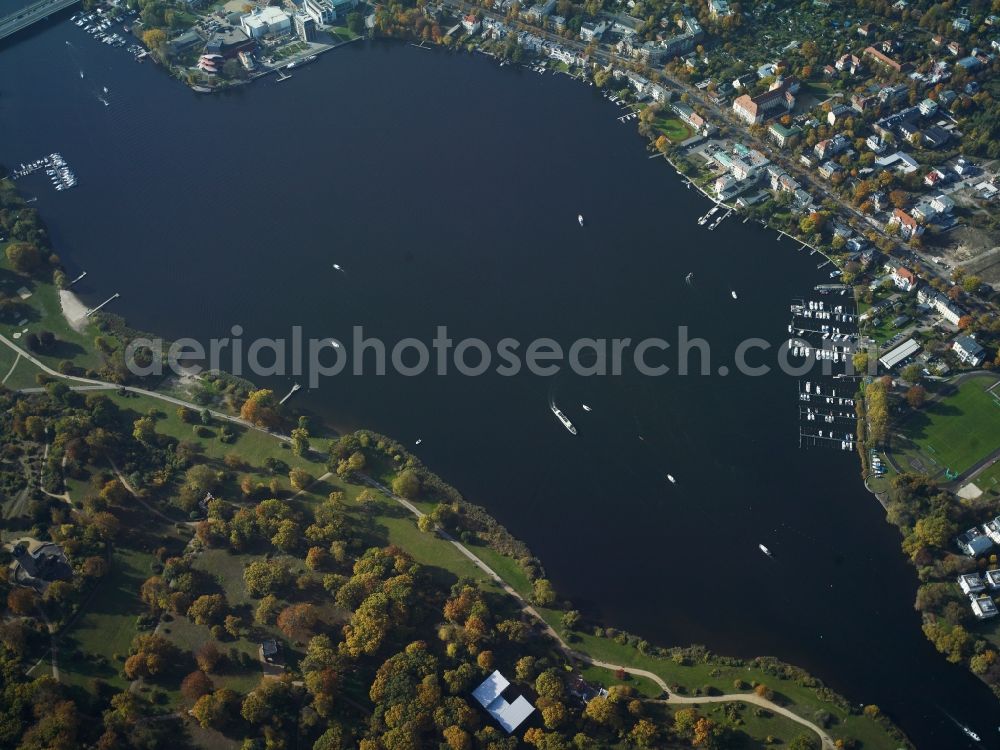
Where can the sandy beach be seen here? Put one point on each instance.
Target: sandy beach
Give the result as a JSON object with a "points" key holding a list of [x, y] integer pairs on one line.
{"points": [[73, 310]]}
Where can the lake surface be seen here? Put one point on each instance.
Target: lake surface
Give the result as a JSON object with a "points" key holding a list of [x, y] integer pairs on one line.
{"points": [[448, 190]]}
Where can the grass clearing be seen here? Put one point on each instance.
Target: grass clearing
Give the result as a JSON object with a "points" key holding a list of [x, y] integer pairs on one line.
{"points": [[674, 129], [95, 646]]}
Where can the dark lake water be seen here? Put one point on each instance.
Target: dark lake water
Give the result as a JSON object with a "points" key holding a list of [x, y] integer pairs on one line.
{"points": [[448, 190]]}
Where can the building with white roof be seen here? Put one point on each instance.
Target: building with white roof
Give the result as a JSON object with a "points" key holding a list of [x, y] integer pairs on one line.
{"points": [[970, 583], [983, 607], [509, 715], [903, 351], [974, 542], [263, 21], [968, 350]]}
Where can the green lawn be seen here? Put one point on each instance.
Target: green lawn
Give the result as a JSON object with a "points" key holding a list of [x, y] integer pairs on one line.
{"points": [[45, 314], [253, 446], [961, 428], [755, 727], [674, 129], [96, 644], [989, 479]]}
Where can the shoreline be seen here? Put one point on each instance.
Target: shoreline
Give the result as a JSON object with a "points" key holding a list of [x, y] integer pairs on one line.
{"points": [[73, 310], [73, 306]]}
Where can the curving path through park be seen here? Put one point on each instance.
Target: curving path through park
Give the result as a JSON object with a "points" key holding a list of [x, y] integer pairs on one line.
{"points": [[90, 384], [825, 739]]}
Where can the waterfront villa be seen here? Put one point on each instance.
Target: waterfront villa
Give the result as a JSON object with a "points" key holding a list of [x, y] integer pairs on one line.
{"points": [[970, 583], [974, 542], [470, 23], [968, 350], [983, 607], [489, 695]]}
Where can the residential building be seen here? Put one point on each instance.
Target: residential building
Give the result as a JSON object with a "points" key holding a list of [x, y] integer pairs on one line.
{"points": [[866, 30], [899, 161], [992, 529], [924, 212], [540, 10], [829, 168], [719, 9], [591, 31], [880, 58], [327, 12], [904, 279], [974, 543], [269, 650], [968, 350], [948, 309], [689, 116], [983, 607], [839, 114], [37, 564], [935, 136], [863, 102], [778, 100], [489, 695], [970, 583], [955, 48], [875, 143], [992, 579], [848, 62], [782, 135], [961, 24], [471, 24], [933, 177], [831, 146], [305, 27], [928, 107], [942, 204], [667, 46], [908, 226]]}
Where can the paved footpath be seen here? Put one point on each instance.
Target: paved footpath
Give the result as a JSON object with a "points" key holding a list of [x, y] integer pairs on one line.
{"points": [[89, 384]]}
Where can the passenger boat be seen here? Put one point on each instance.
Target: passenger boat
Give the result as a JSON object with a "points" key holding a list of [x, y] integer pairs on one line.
{"points": [[562, 418]]}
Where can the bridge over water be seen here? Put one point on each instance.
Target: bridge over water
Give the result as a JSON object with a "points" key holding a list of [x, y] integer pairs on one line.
{"points": [[31, 14]]}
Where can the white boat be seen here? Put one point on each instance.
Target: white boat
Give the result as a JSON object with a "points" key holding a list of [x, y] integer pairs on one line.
{"points": [[562, 418], [579, 218], [418, 441], [671, 478], [105, 89], [337, 267], [765, 550], [971, 734], [586, 408], [689, 277], [734, 295]]}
